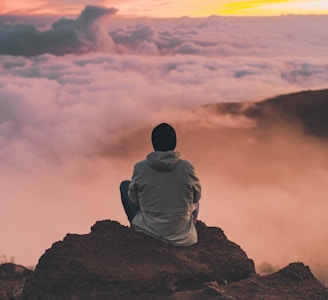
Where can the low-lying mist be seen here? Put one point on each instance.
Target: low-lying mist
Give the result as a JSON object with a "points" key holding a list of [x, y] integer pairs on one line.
{"points": [[266, 190]]}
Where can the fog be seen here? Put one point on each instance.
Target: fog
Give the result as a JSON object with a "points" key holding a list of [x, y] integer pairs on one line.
{"points": [[74, 122], [267, 190]]}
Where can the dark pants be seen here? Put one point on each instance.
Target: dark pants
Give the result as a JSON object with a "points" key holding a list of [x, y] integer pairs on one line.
{"points": [[130, 209]]}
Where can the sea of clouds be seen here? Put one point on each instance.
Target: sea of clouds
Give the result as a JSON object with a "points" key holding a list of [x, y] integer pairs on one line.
{"points": [[78, 98]]}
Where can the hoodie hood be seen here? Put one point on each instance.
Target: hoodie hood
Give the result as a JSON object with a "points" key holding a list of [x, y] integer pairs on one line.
{"points": [[163, 161]]}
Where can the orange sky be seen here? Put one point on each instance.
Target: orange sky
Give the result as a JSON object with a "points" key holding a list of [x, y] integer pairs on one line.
{"points": [[149, 8]]}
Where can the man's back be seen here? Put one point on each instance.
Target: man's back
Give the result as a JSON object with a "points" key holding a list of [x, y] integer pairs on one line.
{"points": [[165, 187]]}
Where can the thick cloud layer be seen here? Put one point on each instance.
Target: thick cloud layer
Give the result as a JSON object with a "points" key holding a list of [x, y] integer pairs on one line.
{"points": [[72, 126], [83, 102]]}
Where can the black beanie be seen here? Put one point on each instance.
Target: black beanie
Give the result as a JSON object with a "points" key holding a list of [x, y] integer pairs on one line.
{"points": [[164, 137]]}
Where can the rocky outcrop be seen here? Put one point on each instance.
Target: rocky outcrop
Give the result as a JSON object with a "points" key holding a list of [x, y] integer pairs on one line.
{"points": [[12, 279], [116, 262], [294, 282]]}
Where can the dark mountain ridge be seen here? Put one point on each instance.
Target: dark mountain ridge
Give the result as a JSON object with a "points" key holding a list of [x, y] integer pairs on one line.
{"points": [[307, 109]]}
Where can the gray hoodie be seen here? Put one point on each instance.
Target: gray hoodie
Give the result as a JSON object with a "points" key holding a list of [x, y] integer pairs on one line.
{"points": [[165, 187]]}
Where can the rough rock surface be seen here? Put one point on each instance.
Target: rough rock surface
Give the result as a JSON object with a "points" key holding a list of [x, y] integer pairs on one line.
{"points": [[294, 282], [12, 279], [115, 262]]}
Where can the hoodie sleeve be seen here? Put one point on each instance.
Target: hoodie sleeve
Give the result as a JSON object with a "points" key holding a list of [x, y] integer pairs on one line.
{"points": [[133, 188], [195, 184]]}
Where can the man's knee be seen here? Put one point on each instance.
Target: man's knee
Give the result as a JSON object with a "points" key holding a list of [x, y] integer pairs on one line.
{"points": [[124, 185]]}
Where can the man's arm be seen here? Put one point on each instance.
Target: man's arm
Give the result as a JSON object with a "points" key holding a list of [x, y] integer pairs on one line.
{"points": [[133, 189], [197, 190]]}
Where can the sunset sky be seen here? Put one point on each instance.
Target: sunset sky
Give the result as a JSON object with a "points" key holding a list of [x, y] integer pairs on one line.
{"points": [[164, 9]]}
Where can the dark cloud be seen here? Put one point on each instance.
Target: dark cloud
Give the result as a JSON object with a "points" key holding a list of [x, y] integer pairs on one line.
{"points": [[133, 36], [41, 22], [66, 35]]}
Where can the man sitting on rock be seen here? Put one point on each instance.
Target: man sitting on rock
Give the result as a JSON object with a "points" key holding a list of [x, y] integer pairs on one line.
{"points": [[162, 198]]}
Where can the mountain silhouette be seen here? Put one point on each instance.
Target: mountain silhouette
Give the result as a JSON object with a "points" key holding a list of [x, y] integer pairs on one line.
{"points": [[307, 110]]}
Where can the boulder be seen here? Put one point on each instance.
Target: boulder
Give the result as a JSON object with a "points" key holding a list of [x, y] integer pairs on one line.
{"points": [[116, 262], [12, 280]]}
